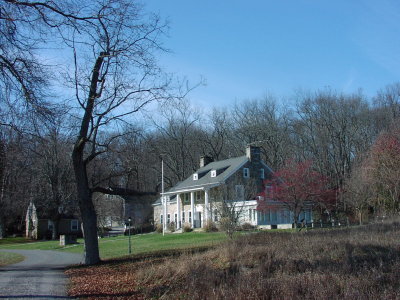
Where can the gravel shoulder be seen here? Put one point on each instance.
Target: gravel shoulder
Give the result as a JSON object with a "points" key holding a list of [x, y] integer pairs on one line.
{"points": [[39, 276]]}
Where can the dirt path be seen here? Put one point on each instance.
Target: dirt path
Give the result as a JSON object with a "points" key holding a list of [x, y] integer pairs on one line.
{"points": [[39, 276]]}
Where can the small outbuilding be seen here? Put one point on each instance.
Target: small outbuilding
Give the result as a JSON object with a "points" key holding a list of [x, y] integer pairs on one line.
{"points": [[38, 226]]}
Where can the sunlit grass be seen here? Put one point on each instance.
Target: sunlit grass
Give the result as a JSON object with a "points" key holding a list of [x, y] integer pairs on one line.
{"points": [[15, 240], [118, 246]]}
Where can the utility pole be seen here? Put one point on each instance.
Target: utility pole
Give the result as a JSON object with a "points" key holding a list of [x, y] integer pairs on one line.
{"points": [[163, 202]]}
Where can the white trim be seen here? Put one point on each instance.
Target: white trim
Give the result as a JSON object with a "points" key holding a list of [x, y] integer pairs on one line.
{"points": [[194, 188], [213, 173], [192, 209], [246, 202], [206, 205]]}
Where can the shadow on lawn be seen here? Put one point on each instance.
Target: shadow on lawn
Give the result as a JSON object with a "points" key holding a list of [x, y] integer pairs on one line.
{"points": [[150, 255]]}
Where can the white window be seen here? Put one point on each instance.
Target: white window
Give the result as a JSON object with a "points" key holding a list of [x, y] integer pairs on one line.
{"points": [[213, 173], [183, 217], [168, 218], [239, 190], [195, 176], [215, 215], [74, 225], [50, 225], [161, 219], [190, 217], [262, 173], [186, 198], [176, 218], [246, 173]]}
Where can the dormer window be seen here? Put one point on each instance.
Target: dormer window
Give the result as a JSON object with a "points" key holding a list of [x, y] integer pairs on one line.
{"points": [[213, 173], [246, 172], [195, 176]]}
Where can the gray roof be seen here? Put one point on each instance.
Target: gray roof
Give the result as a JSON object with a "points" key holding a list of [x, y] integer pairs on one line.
{"points": [[225, 168]]}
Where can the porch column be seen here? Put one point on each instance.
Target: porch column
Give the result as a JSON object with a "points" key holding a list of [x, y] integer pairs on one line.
{"points": [[165, 213], [178, 208], [192, 207], [206, 207]]}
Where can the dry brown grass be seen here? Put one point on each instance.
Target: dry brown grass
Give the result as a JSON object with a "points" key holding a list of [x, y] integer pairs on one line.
{"points": [[353, 263]]}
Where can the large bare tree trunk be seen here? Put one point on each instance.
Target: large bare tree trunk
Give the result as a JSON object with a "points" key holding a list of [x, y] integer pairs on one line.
{"points": [[88, 213], [84, 193]]}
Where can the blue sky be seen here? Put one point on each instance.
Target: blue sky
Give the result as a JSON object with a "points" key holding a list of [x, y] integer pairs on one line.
{"points": [[245, 49]]}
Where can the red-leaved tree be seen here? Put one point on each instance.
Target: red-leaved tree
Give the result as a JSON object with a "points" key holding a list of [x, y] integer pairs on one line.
{"points": [[296, 187]]}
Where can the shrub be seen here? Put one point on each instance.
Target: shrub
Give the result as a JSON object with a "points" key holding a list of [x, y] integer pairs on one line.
{"points": [[159, 228], [171, 226], [187, 227], [247, 226], [210, 227], [229, 225], [141, 228]]}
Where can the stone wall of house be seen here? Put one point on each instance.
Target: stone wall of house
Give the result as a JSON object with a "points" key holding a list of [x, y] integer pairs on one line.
{"points": [[251, 185]]}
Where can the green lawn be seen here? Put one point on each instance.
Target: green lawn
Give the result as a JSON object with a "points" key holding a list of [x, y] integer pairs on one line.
{"points": [[14, 240], [118, 246], [10, 258]]}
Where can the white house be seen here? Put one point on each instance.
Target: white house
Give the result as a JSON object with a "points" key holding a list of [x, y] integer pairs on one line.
{"points": [[196, 200]]}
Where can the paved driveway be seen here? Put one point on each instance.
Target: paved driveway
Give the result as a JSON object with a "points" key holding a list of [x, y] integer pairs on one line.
{"points": [[39, 276]]}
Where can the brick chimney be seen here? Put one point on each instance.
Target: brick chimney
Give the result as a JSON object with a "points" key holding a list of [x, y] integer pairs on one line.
{"points": [[253, 153], [205, 160]]}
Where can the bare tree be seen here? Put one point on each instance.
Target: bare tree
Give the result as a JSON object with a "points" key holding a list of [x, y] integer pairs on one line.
{"points": [[177, 139], [388, 100], [26, 28], [109, 209], [264, 122], [215, 135], [229, 201], [122, 79], [15, 172], [358, 192], [53, 188], [332, 129]]}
